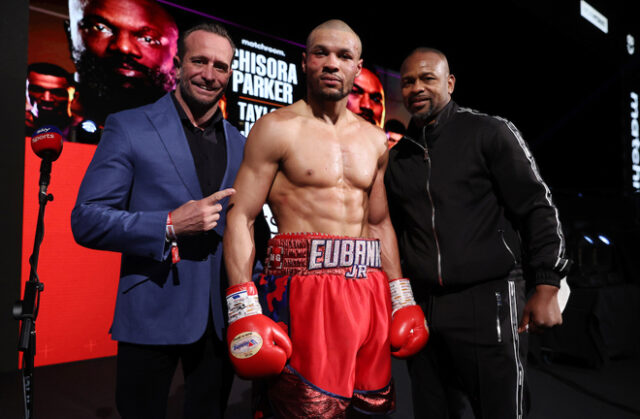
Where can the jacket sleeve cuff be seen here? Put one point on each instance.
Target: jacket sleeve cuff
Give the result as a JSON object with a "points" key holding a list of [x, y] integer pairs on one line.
{"points": [[547, 278]]}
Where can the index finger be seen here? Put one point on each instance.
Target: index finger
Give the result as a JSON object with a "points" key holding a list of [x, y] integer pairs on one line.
{"points": [[524, 323], [217, 196]]}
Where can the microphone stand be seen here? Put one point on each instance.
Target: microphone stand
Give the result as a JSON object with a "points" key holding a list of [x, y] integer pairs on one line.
{"points": [[26, 310]]}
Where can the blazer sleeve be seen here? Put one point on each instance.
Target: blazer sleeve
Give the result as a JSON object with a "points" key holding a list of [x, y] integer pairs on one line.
{"points": [[101, 218]]}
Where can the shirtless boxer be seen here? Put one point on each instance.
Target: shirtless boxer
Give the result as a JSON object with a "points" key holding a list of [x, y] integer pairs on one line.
{"points": [[320, 168]]}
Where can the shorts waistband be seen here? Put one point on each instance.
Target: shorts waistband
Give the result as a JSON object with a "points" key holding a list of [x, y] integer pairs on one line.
{"points": [[312, 254]]}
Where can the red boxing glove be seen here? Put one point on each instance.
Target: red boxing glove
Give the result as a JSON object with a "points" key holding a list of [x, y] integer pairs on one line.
{"points": [[258, 347], [409, 331]]}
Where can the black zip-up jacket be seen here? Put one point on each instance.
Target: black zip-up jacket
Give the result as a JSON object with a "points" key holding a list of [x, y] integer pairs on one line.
{"points": [[464, 193]]}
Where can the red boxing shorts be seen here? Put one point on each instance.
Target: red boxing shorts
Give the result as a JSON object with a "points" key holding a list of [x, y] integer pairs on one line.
{"points": [[332, 297]]}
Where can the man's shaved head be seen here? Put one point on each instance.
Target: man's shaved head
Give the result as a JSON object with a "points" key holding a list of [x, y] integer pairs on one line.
{"points": [[421, 50], [337, 25]]}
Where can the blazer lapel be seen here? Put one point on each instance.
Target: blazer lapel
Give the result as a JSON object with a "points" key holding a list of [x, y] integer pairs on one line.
{"points": [[165, 119]]}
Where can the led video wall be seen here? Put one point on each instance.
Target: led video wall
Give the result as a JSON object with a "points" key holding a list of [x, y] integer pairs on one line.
{"points": [[90, 58]]}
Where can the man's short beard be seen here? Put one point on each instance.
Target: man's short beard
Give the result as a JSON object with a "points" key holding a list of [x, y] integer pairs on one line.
{"points": [[102, 91], [333, 96], [368, 115], [52, 118], [424, 118]]}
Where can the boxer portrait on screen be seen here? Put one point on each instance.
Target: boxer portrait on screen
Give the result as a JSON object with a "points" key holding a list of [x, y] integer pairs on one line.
{"points": [[123, 52], [367, 97], [49, 88]]}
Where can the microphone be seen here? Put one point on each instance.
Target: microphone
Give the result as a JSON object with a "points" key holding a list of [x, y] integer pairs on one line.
{"points": [[46, 142]]}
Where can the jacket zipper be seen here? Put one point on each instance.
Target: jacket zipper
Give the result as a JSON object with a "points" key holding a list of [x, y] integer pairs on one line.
{"points": [[498, 313], [515, 260], [427, 159]]}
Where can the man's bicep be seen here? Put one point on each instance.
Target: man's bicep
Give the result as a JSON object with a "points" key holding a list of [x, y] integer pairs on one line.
{"points": [[380, 226], [257, 172], [378, 209], [251, 185]]}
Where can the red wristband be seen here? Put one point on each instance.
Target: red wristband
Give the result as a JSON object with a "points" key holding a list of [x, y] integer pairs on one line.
{"points": [[171, 232], [171, 237]]}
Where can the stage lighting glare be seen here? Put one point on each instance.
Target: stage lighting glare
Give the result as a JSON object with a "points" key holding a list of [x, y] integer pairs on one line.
{"points": [[588, 239], [596, 18], [89, 126], [604, 240]]}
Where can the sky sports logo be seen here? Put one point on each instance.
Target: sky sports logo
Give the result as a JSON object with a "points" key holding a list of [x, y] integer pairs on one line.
{"points": [[42, 136]]}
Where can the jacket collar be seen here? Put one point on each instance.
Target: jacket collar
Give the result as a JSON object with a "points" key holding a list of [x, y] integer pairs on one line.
{"points": [[429, 133]]}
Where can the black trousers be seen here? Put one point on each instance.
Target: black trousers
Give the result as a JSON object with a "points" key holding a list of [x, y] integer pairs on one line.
{"points": [[474, 355], [144, 374]]}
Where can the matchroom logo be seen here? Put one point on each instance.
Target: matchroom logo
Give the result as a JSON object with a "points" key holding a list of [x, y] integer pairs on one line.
{"points": [[635, 143]]}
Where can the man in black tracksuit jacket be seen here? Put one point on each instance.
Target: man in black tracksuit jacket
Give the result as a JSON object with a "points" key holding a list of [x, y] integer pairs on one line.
{"points": [[467, 202]]}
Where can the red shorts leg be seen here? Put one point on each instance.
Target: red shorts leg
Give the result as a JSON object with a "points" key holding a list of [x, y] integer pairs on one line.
{"points": [[338, 320]]}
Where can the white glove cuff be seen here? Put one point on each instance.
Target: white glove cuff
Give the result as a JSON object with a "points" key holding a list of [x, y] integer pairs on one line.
{"points": [[401, 294], [242, 301]]}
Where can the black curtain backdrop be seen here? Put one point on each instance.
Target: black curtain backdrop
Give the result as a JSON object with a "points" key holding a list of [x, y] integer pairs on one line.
{"points": [[14, 18]]}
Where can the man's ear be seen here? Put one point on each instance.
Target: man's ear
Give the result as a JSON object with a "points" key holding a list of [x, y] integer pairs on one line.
{"points": [[451, 83], [177, 65], [359, 67], [304, 62]]}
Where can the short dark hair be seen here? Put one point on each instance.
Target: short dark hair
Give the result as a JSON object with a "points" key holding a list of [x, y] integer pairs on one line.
{"points": [[50, 70], [210, 27]]}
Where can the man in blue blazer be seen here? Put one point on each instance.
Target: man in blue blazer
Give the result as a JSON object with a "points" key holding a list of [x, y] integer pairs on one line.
{"points": [[156, 191]]}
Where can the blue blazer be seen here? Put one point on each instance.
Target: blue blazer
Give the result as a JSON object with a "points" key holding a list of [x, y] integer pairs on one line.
{"points": [[142, 169]]}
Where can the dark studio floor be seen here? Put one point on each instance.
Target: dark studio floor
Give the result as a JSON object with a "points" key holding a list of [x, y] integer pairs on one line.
{"points": [[588, 368], [85, 390]]}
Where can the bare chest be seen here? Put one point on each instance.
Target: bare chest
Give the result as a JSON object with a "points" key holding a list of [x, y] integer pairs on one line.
{"points": [[331, 160]]}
